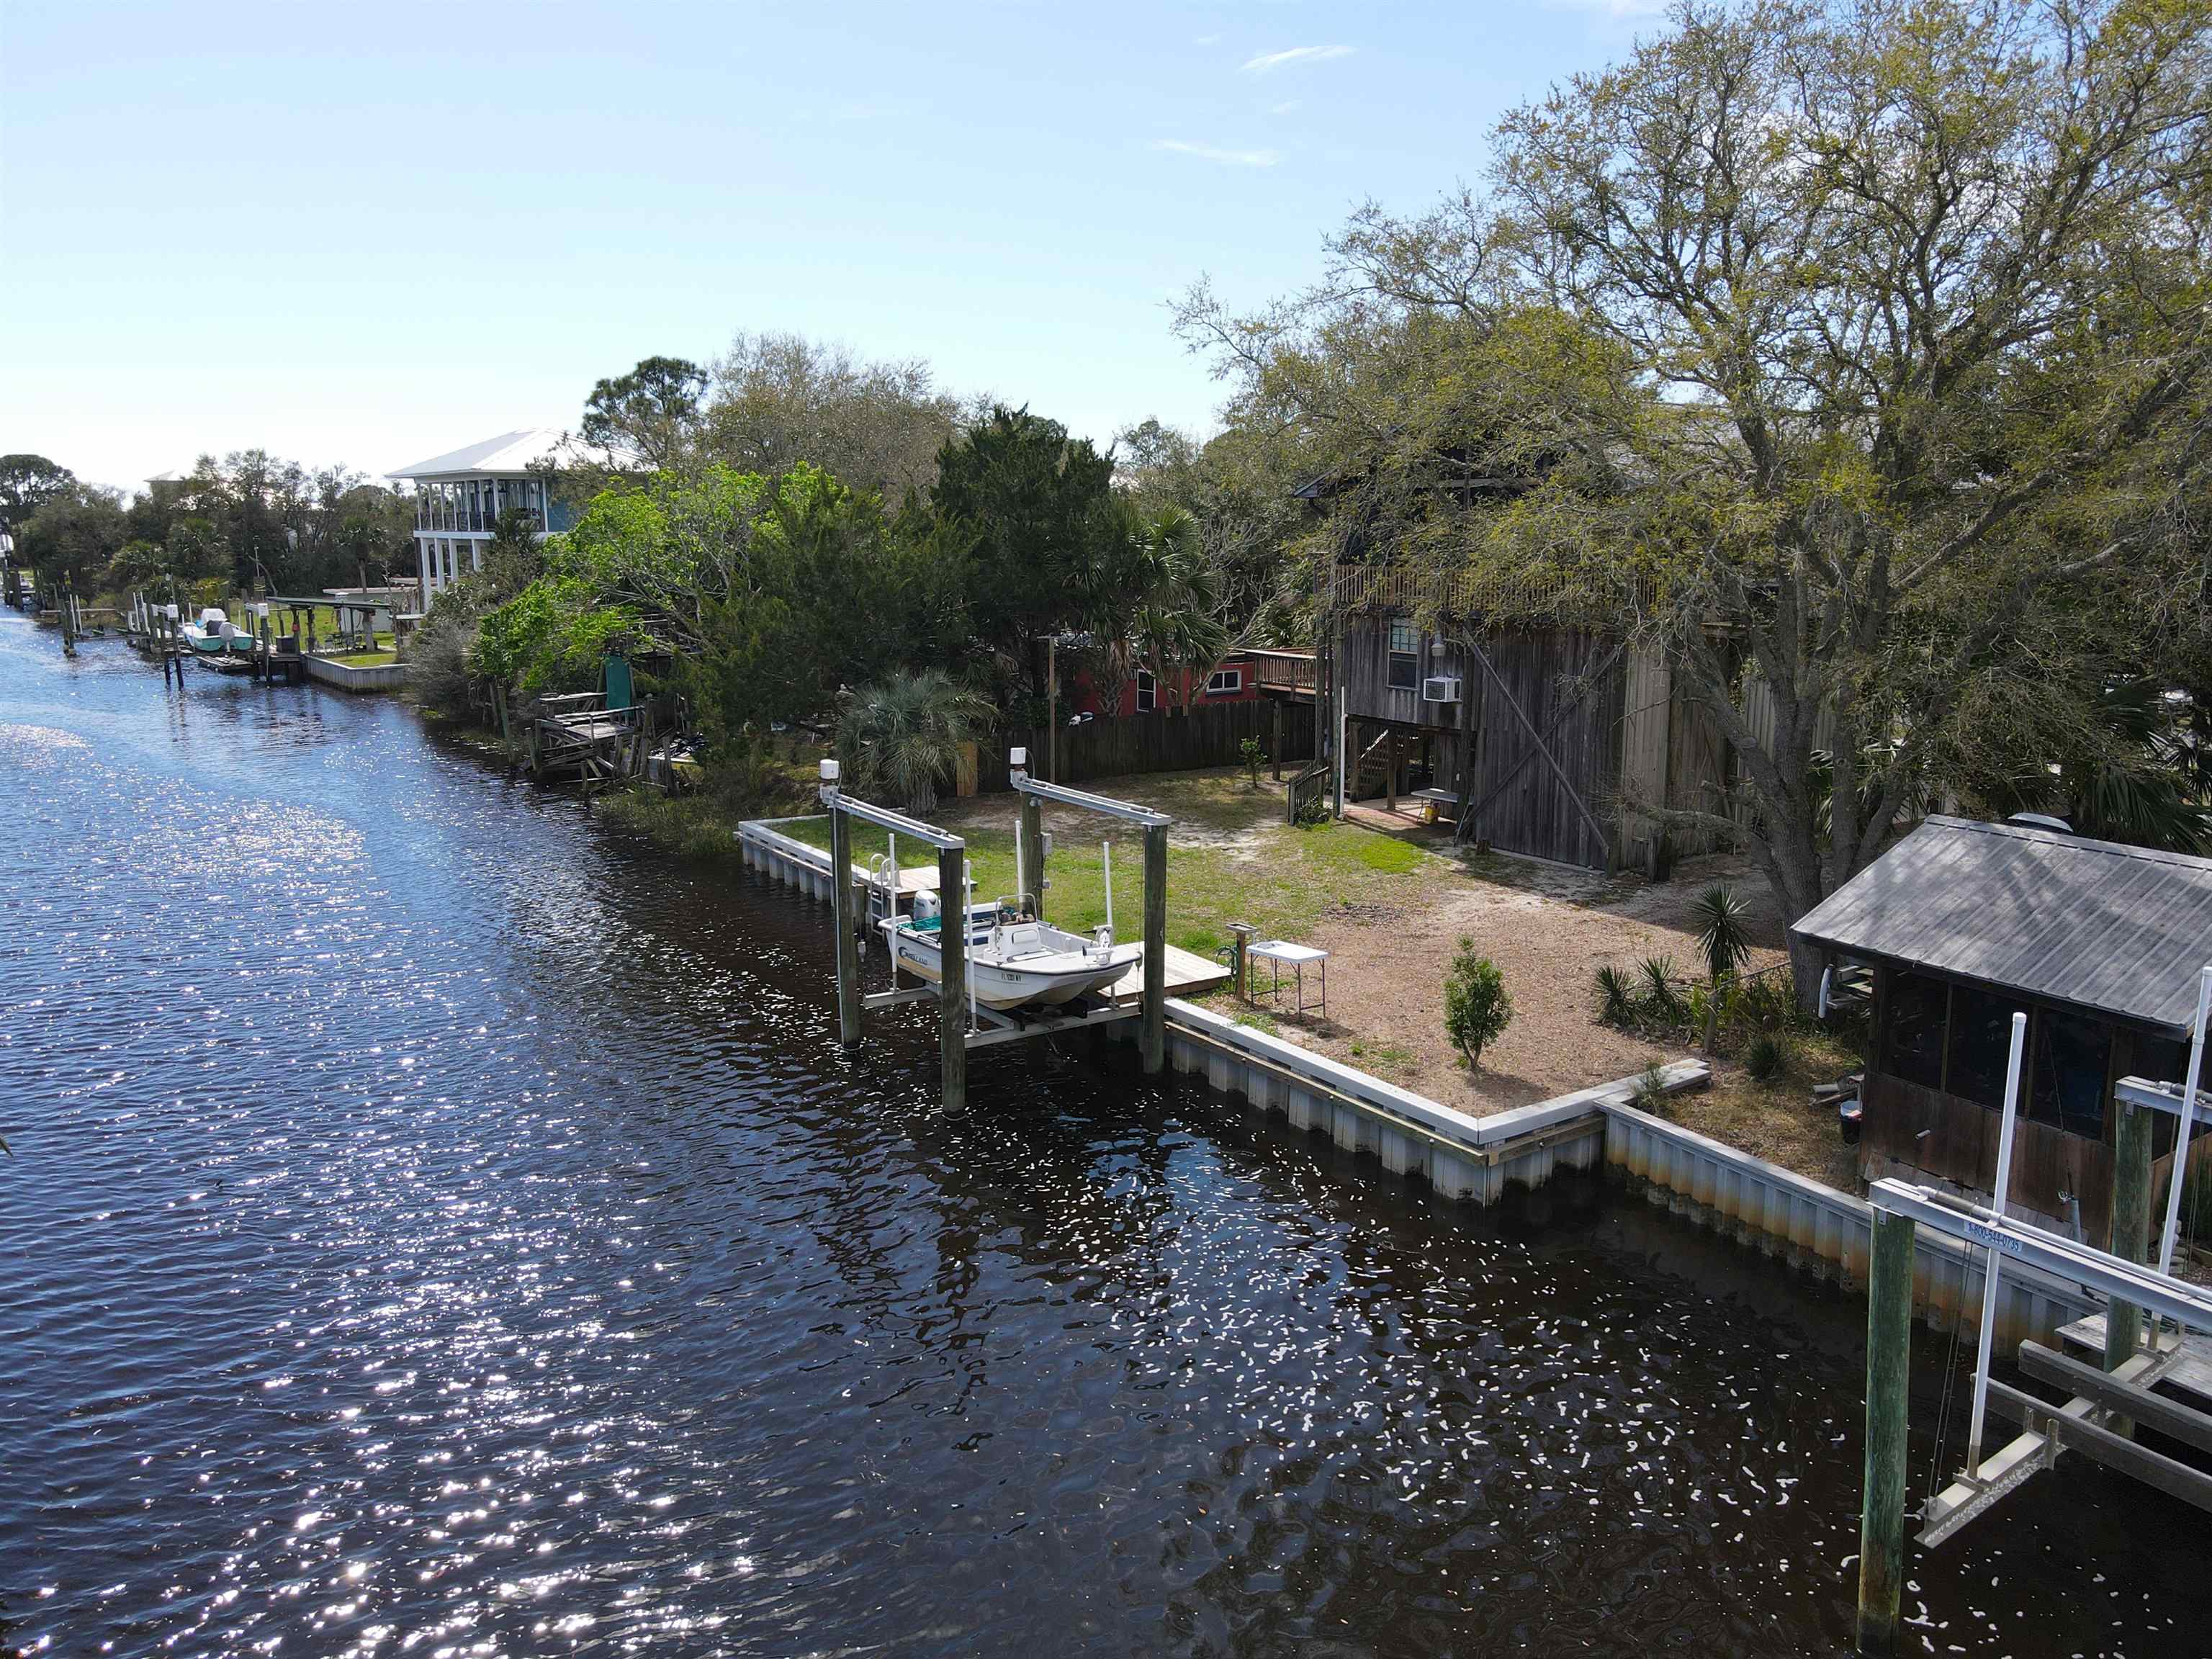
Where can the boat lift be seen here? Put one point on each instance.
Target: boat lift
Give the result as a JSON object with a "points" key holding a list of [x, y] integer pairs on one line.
{"points": [[951, 990], [2098, 1420], [1030, 849], [961, 1025]]}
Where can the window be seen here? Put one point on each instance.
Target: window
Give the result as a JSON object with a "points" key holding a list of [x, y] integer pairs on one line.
{"points": [[1405, 668], [1148, 692], [2069, 1056], [1914, 1048], [1224, 683], [1980, 1045]]}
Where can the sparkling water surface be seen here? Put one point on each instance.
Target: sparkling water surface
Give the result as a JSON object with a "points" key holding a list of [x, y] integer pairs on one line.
{"points": [[438, 1225]]}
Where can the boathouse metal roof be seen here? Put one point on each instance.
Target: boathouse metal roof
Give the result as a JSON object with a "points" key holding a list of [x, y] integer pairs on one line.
{"points": [[2118, 931], [511, 454]]}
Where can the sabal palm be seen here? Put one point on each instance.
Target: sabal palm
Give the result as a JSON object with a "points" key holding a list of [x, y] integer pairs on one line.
{"points": [[901, 735], [1175, 623]]}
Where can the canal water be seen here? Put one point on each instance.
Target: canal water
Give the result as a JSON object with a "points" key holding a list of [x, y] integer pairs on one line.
{"points": [[435, 1225]]}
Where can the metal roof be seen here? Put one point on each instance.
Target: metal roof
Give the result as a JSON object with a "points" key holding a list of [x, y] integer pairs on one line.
{"points": [[510, 455], [2122, 931]]}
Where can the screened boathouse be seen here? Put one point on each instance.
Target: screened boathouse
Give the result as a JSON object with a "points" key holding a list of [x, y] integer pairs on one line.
{"points": [[1962, 923]]}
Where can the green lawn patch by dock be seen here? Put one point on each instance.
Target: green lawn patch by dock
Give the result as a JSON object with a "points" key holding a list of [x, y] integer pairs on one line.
{"points": [[1230, 859]]}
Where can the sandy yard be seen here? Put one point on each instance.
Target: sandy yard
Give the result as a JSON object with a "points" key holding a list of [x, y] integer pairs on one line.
{"points": [[1548, 929]]}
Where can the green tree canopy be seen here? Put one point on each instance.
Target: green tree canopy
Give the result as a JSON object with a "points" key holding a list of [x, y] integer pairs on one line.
{"points": [[647, 413], [1043, 518], [1859, 349], [28, 481]]}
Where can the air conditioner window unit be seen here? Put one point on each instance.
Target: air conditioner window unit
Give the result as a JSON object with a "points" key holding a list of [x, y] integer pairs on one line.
{"points": [[1440, 688]]}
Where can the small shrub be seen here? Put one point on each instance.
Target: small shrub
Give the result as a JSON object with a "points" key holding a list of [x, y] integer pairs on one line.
{"points": [[1651, 1094], [1767, 1002], [1476, 1005], [1764, 1058], [1616, 996], [1254, 758]]}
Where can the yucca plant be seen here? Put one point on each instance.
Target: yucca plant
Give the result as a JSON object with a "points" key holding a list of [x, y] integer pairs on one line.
{"points": [[1663, 1001], [1764, 1058], [1724, 935], [1616, 996], [900, 736]]}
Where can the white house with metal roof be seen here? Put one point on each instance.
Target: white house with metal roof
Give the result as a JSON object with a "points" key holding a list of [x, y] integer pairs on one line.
{"points": [[459, 496]]}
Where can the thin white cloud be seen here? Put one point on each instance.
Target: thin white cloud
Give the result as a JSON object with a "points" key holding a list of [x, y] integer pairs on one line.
{"points": [[1206, 40], [1228, 158], [1268, 62], [1286, 106]]}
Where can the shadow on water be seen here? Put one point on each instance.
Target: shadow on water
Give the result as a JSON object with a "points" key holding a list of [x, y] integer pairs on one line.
{"points": [[436, 1220]]}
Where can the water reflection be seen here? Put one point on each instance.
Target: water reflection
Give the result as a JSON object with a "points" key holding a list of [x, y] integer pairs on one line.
{"points": [[438, 1226]]}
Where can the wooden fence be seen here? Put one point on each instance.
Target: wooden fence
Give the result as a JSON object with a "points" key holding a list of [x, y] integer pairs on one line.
{"points": [[1212, 734]]}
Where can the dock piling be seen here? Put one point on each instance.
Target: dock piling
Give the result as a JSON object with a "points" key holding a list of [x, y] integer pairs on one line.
{"points": [[2130, 1226], [841, 904], [1152, 1035], [952, 977], [1881, 1514]]}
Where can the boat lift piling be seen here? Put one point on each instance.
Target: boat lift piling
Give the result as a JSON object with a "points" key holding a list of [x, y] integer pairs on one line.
{"points": [[1152, 1031], [952, 1011]]}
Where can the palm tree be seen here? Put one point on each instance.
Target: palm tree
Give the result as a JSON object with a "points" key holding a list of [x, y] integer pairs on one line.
{"points": [[902, 735], [1176, 624], [1724, 935], [1151, 601]]}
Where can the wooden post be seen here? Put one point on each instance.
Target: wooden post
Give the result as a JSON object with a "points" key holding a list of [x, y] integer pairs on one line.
{"points": [[952, 985], [1051, 710], [2130, 1226], [1152, 1033], [840, 907], [1881, 1514], [1390, 772], [1031, 875], [1275, 748]]}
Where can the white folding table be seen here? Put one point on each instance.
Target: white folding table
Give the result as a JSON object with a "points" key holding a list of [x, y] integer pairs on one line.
{"points": [[1281, 953]]}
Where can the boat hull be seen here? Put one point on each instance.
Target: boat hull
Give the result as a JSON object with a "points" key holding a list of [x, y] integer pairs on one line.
{"points": [[1046, 980]]}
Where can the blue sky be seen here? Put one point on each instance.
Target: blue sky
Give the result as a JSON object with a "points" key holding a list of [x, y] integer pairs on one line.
{"points": [[371, 234]]}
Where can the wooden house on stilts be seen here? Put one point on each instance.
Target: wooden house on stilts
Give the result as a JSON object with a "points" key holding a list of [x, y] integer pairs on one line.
{"points": [[1544, 738]]}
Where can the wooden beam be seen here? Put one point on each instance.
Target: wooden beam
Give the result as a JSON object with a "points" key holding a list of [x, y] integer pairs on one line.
{"points": [[2128, 1400], [1881, 1511]]}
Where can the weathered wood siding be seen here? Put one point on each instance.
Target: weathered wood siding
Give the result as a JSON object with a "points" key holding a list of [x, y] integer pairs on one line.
{"points": [[1923, 1128], [1647, 712], [1566, 684]]}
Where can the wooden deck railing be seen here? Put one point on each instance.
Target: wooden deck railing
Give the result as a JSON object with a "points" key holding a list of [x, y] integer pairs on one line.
{"points": [[1282, 671]]}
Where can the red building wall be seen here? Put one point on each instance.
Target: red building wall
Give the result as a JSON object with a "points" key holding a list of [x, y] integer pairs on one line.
{"points": [[1081, 696]]}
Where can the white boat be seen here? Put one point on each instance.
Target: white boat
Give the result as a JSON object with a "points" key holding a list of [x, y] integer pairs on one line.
{"points": [[1014, 961], [213, 635]]}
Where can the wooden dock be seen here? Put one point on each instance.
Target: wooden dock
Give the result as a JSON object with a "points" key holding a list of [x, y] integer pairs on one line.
{"points": [[1188, 976]]}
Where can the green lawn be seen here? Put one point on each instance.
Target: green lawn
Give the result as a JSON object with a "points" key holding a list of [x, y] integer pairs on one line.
{"points": [[366, 659], [1280, 879]]}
